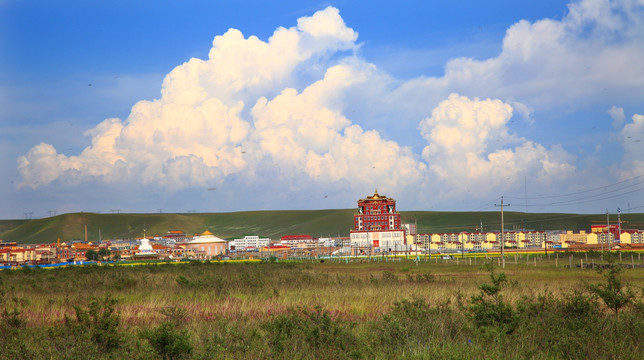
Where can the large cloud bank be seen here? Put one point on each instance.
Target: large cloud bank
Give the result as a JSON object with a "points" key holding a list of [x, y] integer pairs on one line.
{"points": [[219, 116], [280, 107], [593, 53]]}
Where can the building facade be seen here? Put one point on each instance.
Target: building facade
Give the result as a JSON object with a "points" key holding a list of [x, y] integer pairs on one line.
{"points": [[248, 243], [376, 213], [377, 224], [206, 246]]}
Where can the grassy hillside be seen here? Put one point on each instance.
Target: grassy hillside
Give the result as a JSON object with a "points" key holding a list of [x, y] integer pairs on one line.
{"points": [[226, 225], [274, 224], [431, 222]]}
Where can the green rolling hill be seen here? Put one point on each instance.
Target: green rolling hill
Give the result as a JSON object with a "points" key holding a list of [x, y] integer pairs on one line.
{"points": [[274, 224]]}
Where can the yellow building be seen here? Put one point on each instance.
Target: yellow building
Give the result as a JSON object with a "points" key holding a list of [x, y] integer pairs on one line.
{"points": [[575, 238], [632, 237], [600, 238], [532, 239], [206, 246], [22, 255]]}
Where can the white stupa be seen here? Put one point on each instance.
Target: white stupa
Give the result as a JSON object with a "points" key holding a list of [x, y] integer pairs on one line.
{"points": [[145, 247]]}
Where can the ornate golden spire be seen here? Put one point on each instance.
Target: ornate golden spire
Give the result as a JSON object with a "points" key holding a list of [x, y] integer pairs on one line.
{"points": [[375, 195]]}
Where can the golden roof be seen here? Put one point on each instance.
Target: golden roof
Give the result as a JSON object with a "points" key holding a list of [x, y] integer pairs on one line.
{"points": [[376, 196]]}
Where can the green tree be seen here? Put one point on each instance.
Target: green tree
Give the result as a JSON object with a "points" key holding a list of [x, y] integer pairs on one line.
{"points": [[91, 255], [104, 253], [612, 292], [488, 309]]}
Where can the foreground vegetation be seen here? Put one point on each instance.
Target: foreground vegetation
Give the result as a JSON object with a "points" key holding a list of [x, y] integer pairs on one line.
{"points": [[332, 310]]}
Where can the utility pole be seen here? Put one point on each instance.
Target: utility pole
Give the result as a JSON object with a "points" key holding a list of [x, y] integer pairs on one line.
{"points": [[502, 234], [462, 246], [619, 225], [525, 186], [607, 230], [58, 248]]}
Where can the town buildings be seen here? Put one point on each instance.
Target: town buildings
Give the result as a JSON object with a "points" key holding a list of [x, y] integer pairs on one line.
{"points": [[377, 229]]}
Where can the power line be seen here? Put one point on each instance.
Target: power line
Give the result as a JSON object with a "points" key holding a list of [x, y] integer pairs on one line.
{"points": [[489, 204], [586, 199], [586, 191]]}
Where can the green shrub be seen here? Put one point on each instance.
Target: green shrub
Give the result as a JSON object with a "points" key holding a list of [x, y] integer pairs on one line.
{"points": [[168, 341], [214, 283], [420, 278], [175, 315], [123, 283], [488, 310], [11, 319], [577, 306], [100, 321], [406, 322], [389, 277], [304, 333], [238, 338]]}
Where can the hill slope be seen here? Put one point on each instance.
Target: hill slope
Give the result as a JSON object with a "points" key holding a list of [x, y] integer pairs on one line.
{"points": [[274, 224]]}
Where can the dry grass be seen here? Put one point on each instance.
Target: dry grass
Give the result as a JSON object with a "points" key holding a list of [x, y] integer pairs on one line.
{"points": [[354, 291]]}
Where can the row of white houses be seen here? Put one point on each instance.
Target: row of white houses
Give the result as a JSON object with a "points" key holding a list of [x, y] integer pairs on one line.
{"points": [[470, 241], [523, 239]]}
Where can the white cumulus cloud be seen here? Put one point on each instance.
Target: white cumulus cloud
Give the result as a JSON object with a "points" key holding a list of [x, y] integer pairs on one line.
{"points": [[592, 54], [200, 131], [284, 106], [617, 114], [632, 140], [470, 147]]}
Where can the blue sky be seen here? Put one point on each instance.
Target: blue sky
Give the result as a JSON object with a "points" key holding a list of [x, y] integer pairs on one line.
{"points": [[312, 105]]}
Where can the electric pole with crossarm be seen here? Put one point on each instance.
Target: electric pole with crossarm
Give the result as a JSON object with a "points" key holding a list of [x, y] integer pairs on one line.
{"points": [[502, 234]]}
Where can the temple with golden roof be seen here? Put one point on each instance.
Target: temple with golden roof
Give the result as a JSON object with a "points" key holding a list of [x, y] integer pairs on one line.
{"points": [[377, 223], [376, 212]]}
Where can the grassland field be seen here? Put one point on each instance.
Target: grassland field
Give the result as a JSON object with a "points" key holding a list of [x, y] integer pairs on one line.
{"points": [[340, 308]]}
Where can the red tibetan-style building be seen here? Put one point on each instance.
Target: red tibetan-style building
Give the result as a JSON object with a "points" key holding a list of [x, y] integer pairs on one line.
{"points": [[377, 224], [376, 213]]}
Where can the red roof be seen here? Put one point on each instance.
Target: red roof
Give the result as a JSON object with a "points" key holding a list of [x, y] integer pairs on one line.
{"points": [[81, 246], [20, 250], [296, 237], [631, 231]]}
